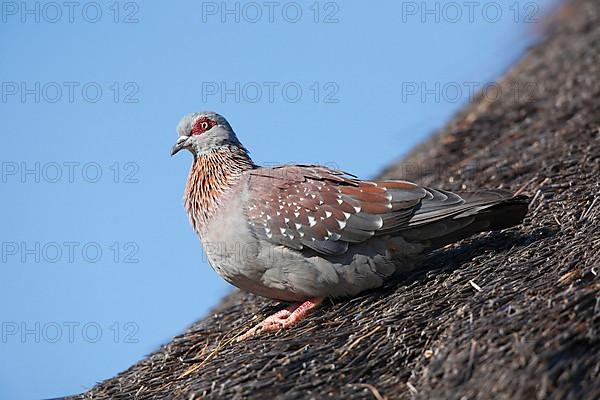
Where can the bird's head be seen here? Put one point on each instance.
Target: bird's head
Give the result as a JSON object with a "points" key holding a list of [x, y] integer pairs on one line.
{"points": [[201, 132]]}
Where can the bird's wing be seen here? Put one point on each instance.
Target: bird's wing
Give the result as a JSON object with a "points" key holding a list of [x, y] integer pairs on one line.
{"points": [[306, 206]]}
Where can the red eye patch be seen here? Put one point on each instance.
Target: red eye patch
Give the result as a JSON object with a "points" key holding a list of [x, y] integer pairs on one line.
{"points": [[202, 125]]}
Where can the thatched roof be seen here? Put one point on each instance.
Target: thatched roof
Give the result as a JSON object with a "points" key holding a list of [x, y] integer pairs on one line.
{"points": [[510, 315]]}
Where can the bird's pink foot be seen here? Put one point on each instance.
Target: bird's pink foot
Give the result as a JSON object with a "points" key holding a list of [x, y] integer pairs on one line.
{"points": [[284, 318]]}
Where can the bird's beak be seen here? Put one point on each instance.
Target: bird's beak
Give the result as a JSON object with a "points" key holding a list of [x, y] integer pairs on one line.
{"points": [[180, 144]]}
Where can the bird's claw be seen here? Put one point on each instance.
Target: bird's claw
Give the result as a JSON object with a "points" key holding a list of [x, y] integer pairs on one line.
{"points": [[282, 319]]}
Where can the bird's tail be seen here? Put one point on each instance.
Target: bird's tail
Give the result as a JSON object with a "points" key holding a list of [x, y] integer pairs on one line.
{"points": [[446, 217]]}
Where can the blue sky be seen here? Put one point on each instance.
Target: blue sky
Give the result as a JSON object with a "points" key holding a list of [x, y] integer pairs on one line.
{"points": [[99, 265]]}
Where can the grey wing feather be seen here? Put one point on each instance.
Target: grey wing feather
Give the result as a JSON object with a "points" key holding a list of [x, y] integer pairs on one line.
{"points": [[302, 206], [305, 206]]}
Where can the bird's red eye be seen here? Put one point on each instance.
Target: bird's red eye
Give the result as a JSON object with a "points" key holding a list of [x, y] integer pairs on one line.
{"points": [[202, 125]]}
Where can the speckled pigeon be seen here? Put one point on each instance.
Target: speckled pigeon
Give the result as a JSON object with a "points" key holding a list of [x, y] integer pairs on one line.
{"points": [[301, 233]]}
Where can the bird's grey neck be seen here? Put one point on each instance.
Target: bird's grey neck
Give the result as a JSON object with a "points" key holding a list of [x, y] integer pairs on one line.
{"points": [[212, 176]]}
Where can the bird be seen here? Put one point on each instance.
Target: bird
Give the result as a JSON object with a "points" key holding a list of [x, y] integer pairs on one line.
{"points": [[301, 233]]}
